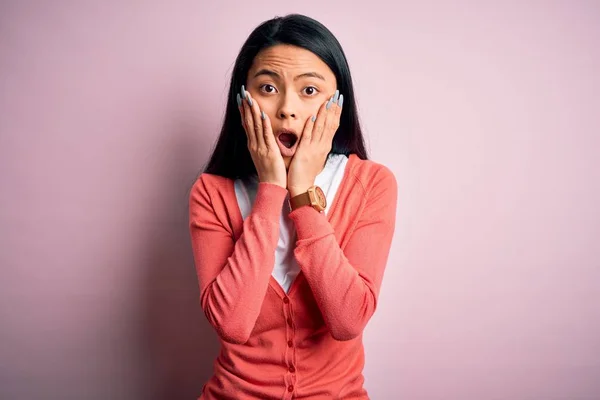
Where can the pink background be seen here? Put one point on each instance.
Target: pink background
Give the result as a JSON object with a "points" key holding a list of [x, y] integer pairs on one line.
{"points": [[487, 112]]}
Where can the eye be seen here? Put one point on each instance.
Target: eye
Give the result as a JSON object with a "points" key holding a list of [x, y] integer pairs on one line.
{"points": [[311, 90], [268, 88]]}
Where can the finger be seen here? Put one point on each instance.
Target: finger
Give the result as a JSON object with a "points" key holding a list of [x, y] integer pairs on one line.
{"points": [[249, 123], [238, 98], [257, 120], [268, 132], [333, 120], [330, 118], [308, 130], [317, 130]]}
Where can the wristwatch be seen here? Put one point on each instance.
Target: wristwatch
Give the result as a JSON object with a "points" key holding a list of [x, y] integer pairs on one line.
{"points": [[313, 197]]}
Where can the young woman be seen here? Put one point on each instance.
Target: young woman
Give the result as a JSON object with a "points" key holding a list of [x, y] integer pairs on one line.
{"points": [[290, 223]]}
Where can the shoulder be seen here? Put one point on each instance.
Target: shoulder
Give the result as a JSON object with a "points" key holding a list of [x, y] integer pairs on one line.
{"points": [[372, 176], [208, 185], [211, 181], [210, 200]]}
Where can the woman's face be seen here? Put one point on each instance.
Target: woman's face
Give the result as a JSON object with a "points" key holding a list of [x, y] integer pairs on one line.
{"points": [[290, 84]]}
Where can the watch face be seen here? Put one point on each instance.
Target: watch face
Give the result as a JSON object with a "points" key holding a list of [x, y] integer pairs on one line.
{"points": [[321, 197]]}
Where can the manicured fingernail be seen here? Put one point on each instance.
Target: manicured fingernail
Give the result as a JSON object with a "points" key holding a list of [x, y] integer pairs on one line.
{"points": [[263, 115], [239, 100], [313, 119], [341, 102], [243, 92], [250, 101], [336, 96], [329, 103]]}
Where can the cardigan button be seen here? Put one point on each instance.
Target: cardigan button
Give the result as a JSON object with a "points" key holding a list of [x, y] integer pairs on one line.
{"points": [[292, 369], [286, 300], [290, 343], [291, 388]]}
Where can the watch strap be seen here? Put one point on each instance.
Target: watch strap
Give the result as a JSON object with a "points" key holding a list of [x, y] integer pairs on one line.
{"points": [[300, 200]]}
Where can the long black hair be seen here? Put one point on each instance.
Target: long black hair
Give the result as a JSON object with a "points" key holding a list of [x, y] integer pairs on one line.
{"points": [[231, 157]]}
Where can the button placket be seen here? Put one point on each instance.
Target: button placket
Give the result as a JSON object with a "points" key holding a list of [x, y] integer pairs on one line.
{"points": [[289, 354]]}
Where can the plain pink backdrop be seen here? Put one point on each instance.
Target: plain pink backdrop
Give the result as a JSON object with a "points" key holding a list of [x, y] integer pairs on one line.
{"points": [[487, 112]]}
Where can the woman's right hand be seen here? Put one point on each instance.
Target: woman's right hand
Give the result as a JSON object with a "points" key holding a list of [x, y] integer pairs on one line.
{"points": [[265, 153]]}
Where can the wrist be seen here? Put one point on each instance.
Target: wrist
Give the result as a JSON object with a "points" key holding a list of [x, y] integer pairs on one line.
{"points": [[296, 190], [273, 182], [312, 196], [268, 201]]}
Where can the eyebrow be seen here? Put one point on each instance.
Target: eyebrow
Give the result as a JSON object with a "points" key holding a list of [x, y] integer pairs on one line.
{"points": [[274, 74]]}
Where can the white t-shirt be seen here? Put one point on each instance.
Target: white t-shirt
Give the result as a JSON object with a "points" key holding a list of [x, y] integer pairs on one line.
{"points": [[286, 268]]}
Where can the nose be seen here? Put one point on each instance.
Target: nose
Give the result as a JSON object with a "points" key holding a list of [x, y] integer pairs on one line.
{"points": [[287, 107]]}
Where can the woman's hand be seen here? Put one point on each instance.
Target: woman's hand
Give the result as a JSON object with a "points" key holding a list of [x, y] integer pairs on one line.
{"points": [[261, 142], [315, 144]]}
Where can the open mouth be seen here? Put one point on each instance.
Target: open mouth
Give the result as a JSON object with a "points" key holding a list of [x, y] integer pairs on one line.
{"points": [[288, 139]]}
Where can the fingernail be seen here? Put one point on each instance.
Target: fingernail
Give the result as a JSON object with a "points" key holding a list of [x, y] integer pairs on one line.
{"points": [[341, 102], [329, 104], [263, 115], [313, 119], [250, 101], [336, 96], [239, 100], [243, 92]]}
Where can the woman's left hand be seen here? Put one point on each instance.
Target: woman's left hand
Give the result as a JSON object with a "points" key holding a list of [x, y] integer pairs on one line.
{"points": [[315, 144]]}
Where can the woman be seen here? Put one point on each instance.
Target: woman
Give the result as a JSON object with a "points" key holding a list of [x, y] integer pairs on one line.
{"points": [[291, 224]]}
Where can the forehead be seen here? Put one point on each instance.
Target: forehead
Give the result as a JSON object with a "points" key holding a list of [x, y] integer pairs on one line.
{"points": [[290, 61]]}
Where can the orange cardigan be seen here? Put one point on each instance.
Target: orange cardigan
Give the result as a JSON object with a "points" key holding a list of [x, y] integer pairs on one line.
{"points": [[307, 343]]}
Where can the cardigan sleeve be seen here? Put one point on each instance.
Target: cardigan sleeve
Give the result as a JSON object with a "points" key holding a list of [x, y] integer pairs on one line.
{"points": [[233, 275], [346, 283]]}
